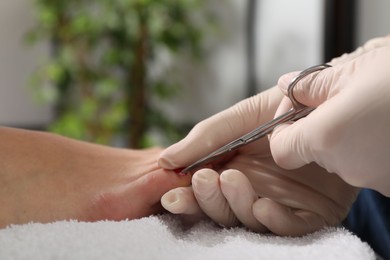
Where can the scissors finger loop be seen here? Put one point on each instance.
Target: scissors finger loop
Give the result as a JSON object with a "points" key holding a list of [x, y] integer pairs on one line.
{"points": [[296, 104]]}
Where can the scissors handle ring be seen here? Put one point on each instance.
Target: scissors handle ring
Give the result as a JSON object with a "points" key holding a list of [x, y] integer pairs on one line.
{"points": [[296, 104]]}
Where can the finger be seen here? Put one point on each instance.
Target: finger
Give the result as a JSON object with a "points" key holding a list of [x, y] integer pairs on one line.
{"points": [[240, 194], [285, 80], [181, 201], [309, 188], [210, 198], [368, 46], [315, 88], [221, 128], [284, 106], [284, 221], [289, 146]]}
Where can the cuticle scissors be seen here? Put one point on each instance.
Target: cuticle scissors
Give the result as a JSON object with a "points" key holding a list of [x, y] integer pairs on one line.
{"points": [[297, 111]]}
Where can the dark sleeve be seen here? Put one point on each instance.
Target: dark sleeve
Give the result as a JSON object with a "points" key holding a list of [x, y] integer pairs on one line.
{"points": [[369, 219]]}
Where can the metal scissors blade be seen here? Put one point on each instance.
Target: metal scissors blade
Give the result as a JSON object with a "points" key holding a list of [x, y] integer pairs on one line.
{"points": [[298, 111]]}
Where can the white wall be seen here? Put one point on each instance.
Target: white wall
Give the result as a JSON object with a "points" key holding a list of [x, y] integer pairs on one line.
{"points": [[374, 19], [17, 61], [289, 38]]}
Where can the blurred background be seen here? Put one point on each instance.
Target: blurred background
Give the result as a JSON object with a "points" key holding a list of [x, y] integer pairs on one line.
{"points": [[139, 73]]}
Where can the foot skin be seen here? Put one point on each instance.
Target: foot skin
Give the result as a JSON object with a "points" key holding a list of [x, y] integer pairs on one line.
{"points": [[45, 177]]}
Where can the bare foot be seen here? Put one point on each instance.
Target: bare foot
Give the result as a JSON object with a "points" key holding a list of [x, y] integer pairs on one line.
{"points": [[45, 177]]}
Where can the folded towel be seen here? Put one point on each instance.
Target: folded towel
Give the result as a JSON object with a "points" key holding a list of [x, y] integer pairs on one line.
{"points": [[169, 237]]}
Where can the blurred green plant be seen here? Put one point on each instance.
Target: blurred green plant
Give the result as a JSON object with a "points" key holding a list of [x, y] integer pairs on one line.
{"points": [[98, 75]]}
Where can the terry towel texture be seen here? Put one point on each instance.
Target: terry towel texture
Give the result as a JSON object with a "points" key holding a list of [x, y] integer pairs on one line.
{"points": [[166, 237]]}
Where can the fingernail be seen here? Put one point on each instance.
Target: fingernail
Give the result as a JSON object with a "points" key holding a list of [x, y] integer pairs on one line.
{"points": [[165, 162], [229, 176], [170, 198], [171, 202], [204, 176], [167, 156], [205, 181]]}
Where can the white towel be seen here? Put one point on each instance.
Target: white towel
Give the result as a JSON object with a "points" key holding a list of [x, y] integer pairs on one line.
{"points": [[166, 237]]}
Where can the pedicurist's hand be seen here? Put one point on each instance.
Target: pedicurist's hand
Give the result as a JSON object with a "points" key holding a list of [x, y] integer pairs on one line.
{"points": [[285, 206], [348, 132], [368, 46], [45, 177], [247, 186]]}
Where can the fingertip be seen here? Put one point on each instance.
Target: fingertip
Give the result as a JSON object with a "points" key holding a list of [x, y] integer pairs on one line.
{"points": [[172, 202], [182, 153], [165, 163], [166, 158], [233, 181], [231, 176], [206, 182], [210, 198], [180, 201], [288, 146]]}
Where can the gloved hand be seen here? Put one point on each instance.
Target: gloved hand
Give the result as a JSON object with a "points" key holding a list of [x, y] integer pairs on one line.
{"points": [[251, 188], [261, 195], [370, 45], [348, 132]]}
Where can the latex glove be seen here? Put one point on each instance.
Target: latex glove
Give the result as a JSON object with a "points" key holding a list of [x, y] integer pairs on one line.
{"points": [[228, 198], [251, 189], [348, 133], [368, 46]]}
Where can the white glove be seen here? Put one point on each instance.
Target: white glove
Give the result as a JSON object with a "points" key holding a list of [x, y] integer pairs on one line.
{"points": [[251, 189], [348, 132], [368, 46], [289, 203]]}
